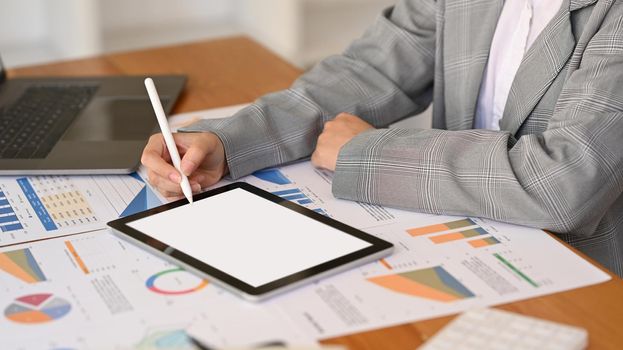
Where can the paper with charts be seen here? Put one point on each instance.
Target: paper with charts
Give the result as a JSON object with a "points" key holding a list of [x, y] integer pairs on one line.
{"points": [[93, 291], [66, 282], [83, 288], [38, 207], [442, 265]]}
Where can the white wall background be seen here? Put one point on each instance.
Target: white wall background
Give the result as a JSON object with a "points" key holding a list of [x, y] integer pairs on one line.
{"points": [[22, 27], [39, 31], [14, 29], [130, 24], [301, 31]]}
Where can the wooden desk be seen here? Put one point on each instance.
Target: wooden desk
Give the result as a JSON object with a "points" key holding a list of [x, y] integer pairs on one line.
{"points": [[237, 70]]}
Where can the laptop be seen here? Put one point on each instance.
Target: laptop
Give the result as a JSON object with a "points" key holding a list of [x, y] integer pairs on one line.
{"points": [[92, 125]]}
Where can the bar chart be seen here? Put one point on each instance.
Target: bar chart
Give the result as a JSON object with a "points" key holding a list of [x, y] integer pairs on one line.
{"points": [[456, 230], [294, 195], [438, 228], [274, 176], [483, 242], [455, 236], [88, 256], [8, 218], [297, 196]]}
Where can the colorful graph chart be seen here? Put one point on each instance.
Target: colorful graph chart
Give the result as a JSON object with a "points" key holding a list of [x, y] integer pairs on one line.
{"points": [[8, 219], [433, 283], [175, 281], [77, 258], [37, 308], [437, 228], [297, 196], [294, 195], [484, 242], [274, 176], [145, 199], [386, 264], [455, 236], [174, 339], [22, 265]]}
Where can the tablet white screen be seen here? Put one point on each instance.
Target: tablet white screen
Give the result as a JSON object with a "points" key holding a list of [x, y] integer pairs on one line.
{"points": [[248, 237]]}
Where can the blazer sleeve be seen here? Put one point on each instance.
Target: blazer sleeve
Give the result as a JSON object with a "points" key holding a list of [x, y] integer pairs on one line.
{"points": [[563, 179], [385, 75]]}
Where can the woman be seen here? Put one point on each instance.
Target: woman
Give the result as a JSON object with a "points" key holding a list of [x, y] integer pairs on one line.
{"points": [[527, 114]]}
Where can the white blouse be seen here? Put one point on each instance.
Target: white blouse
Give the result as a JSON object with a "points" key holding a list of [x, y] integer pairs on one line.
{"points": [[519, 25]]}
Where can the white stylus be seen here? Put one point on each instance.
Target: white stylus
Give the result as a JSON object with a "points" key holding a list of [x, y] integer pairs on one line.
{"points": [[168, 137]]}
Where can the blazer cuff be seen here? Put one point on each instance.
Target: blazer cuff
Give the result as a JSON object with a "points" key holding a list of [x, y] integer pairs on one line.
{"points": [[353, 177], [235, 138]]}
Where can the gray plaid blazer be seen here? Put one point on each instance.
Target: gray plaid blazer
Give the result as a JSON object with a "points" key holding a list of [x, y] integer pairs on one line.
{"points": [[556, 164]]}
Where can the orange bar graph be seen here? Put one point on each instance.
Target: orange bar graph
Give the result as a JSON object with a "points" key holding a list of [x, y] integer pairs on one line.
{"points": [[386, 264], [77, 257], [420, 231], [484, 242], [449, 237]]}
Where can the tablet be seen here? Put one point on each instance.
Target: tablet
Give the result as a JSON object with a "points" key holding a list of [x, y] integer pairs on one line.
{"points": [[250, 241]]}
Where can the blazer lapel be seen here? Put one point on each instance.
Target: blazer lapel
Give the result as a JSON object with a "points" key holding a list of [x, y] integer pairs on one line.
{"points": [[578, 4], [540, 66], [469, 27]]}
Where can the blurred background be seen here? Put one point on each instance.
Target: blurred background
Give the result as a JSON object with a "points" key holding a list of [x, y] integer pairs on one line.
{"points": [[301, 31]]}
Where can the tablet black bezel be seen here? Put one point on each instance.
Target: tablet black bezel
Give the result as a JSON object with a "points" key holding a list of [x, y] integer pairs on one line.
{"points": [[377, 245]]}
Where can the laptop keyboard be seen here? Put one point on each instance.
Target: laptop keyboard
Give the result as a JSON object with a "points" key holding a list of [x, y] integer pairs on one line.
{"points": [[33, 124]]}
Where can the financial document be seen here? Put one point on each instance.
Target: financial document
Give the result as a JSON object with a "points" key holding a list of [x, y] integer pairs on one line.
{"points": [[441, 264], [62, 292], [94, 291], [40, 207]]}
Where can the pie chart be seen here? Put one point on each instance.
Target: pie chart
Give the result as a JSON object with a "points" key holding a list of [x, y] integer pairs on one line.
{"points": [[37, 308]]}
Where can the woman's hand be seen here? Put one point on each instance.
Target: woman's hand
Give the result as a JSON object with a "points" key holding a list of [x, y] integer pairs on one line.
{"points": [[203, 161], [335, 135]]}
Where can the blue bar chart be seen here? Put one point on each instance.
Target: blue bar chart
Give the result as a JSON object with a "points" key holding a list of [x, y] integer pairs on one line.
{"points": [[294, 195], [8, 219], [274, 176], [297, 196]]}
